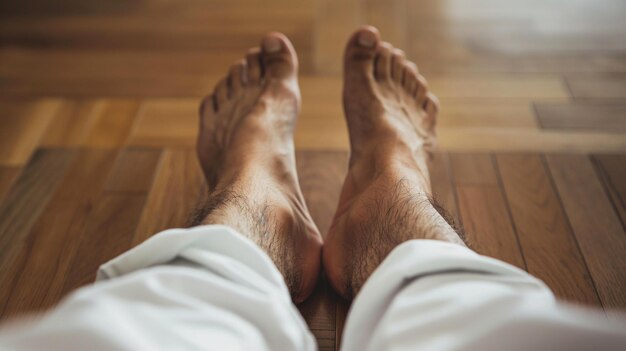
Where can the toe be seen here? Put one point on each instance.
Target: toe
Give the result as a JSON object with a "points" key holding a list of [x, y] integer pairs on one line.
{"points": [[253, 66], [361, 50], [236, 77], [397, 65], [221, 93], [409, 77], [207, 106], [422, 89], [382, 65], [431, 104], [278, 57]]}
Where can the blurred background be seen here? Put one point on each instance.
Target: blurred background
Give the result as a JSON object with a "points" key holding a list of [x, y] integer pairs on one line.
{"points": [[529, 75], [98, 118]]}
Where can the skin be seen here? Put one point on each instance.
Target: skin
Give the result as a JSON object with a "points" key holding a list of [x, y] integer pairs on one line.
{"points": [[246, 150]]}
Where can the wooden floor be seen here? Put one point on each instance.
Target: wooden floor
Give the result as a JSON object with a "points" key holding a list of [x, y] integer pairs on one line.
{"points": [[98, 104]]}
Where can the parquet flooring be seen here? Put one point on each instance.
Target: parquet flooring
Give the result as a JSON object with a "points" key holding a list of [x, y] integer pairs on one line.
{"points": [[98, 104]]}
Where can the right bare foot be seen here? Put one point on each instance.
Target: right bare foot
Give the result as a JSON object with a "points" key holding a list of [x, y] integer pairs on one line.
{"points": [[246, 150], [385, 197]]}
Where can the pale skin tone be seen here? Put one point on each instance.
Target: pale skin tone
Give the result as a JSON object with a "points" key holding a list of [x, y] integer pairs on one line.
{"points": [[246, 150]]}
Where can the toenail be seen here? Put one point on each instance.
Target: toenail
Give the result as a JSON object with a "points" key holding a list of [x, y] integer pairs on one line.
{"points": [[271, 44], [367, 39]]}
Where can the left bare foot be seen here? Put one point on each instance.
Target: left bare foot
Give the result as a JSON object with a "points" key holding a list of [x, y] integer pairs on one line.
{"points": [[246, 150]]}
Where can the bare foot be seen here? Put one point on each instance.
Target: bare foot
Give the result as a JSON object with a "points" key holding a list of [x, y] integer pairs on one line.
{"points": [[246, 150], [391, 117]]}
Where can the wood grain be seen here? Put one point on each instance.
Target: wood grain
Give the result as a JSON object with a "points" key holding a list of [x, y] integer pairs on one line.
{"points": [[134, 170], [612, 170], [550, 249], [177, 188], [46, 257], [113, 123], [109, 232], [486, 218], [21, 208], [72, 123], [442, 185], [7, 176], [23, 123], [595, 224]]}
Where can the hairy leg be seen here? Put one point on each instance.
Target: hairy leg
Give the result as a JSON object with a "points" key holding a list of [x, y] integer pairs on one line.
{"points": [[245, 147], [386, 196]]}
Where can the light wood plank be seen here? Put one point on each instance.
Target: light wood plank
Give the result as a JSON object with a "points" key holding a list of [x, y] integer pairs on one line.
{"points": [[166, 122], [23, 123], [72, 123], [550, 250], [113, 123], [605, 117], [473, 169], [496, 113], [595, 224]]}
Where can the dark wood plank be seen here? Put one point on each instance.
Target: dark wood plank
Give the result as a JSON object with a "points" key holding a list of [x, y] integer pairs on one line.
{"points": [[550, 250], [442, 185], [21, 208], [53, 242], [595, 224], [177, 188], [590, 86], [134, 170], [109, 233], [612, 170], [321, 175], [7, 176], [604, 117], [486, 219]]}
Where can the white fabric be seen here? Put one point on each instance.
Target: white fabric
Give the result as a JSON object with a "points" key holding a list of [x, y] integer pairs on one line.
{"points": [[210, 288]]}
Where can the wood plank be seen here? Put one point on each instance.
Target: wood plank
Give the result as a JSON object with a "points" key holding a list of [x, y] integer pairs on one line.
{"points": [[442, 185], [7, 176], [473, 169], [486, 219], [72, 123], [134, 170], [177, 188], [166, 122], [391, 18], [321, 176], [21, 208], [597, 86], [605, 117], [53, 242], [334, 22], [113, 123], [109, 233], [612, 170], [595, 224], [550, 250], [499, 86], [497, 113], [23, 123]]}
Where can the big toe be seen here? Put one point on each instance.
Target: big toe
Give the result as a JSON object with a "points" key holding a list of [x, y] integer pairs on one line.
{"points": [[278, 57], [361, 50]]}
